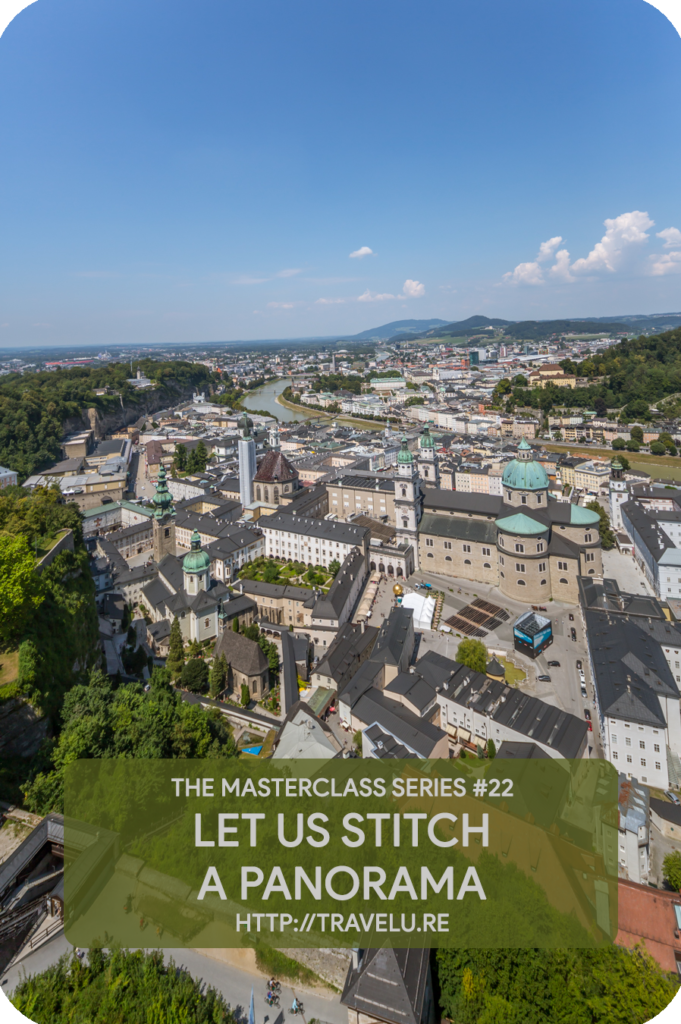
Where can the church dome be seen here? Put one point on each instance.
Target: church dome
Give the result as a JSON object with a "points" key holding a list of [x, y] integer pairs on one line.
{"points": [[426, 440], [196, 560], [523, 473], [404, 456]]}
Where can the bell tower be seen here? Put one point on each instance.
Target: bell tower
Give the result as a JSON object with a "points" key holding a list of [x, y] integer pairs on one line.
{"points": [[618, 493], [164, 519], [407, 500], [428, 460]]}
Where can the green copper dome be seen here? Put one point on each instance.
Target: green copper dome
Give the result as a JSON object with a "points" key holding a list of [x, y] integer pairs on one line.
{"points": [[404, 456], [521, 525], [523, 473], [244, 424], [163, 499], [196, 560], [583, 516], [426, 439]]}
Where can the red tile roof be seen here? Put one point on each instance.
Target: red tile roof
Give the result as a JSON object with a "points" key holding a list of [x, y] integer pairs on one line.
{"points": [[647, 915]]}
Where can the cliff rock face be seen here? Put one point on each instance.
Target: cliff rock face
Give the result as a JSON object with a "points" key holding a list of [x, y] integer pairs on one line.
{"points": [[148, 403]]}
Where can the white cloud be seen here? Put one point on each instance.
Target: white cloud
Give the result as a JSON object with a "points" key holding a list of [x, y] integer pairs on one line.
{"points": [[289, 273], [667, 263], [331, 302], [368, 296], [672, 237], [359, 254], [620, 232], [547, 249], [561, 268], [525, 273], [413, 289]]}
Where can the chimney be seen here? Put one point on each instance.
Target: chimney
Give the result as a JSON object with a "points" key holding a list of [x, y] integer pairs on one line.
{"points": [[356, 958], [363, 624]]}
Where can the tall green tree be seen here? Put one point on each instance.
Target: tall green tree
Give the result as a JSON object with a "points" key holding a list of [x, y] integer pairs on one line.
{"points": [[201, 457], [195, 675], [671, 869], [606, 533], [21, 588], [180, 458], [218, 676], [175, 659], [472, 653]]}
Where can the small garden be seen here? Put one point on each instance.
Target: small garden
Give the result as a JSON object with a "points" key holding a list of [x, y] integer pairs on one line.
{"points": [[270, 570]]}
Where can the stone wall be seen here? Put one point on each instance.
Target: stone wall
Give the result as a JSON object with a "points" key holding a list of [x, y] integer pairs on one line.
{"points": [[330, 964]]}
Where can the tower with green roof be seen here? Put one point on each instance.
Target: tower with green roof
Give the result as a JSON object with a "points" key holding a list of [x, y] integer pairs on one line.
{"points": [[428, 459], [618, 493], [163, 521], [196, 567], [525, 481], [408, 500]]}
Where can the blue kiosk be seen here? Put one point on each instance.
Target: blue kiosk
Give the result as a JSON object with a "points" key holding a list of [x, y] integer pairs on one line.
{"points": [[532, 634]]}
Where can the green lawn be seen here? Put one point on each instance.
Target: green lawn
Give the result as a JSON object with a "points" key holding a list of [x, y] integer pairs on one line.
{"points": [[9, 667], [514, 675]]}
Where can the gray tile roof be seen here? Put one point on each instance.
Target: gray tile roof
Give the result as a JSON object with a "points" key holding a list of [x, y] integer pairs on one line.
{"points": [[416, 733], [630, 670], [479, 530], [436, 500], [331, 604], [392, 636], [344, 533], [241, 653], [389, 985]]}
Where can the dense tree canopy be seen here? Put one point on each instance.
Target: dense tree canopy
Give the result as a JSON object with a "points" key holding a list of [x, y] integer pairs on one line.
{"points": [[119, 986], [33, 406], [535, 986], [472, 653], [104, 721]]}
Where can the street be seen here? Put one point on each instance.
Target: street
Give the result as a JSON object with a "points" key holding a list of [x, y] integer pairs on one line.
{"points": [[234, 982]]}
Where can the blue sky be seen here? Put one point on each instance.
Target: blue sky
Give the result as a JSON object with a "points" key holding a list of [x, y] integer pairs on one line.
{"points": [[194, 171]]}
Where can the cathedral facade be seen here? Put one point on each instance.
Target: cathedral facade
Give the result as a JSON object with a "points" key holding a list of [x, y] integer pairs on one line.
{"points": [[533, 548]]}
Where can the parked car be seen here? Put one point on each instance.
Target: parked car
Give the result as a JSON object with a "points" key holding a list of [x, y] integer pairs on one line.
{"points": [[672, 796], [544, 679], [573, 633], [579, 664], [582, 687], [571, 617], [553, 664], [587, 714]]}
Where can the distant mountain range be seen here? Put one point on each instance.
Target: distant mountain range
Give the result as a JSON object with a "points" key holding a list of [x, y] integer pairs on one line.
{"points": [[523, 330]]}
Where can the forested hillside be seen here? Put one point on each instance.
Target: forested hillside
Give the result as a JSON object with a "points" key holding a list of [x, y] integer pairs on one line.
{"points": [[33, 406], [633, 374]]}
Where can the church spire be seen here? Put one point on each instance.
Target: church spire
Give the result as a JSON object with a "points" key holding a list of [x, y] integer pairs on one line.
{"points": [[163, 499]]}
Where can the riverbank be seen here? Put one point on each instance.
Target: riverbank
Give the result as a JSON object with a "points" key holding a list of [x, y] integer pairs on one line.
{"points": [[320, 414]]}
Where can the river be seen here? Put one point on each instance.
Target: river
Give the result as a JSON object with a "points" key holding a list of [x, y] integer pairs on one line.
{"points": [[265, 400]]}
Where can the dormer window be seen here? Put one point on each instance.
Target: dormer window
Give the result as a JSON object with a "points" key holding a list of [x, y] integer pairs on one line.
{"points": [[539, 499], [508, 495], [523, 499]]}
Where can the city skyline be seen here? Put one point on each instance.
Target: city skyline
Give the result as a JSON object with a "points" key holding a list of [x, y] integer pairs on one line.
{"points": [[229, 177]]}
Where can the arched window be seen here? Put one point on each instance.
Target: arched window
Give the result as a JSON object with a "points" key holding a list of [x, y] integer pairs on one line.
{"points": [[276, 494], [267, 494], [430, 554], [404, 492], [405, 523], [562, 580], [486, 565], [448, 558], [521, 583], [258, 494], [466, 561], [542, 583], [372, 565], [591, 572]]}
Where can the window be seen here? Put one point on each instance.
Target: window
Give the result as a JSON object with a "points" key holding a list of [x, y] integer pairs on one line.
{"points": [[502, 575], [657, 765], [562, 567], [508, 495], [520, 548], [562, 580], [486, 551], [628, 741], [501, 542], [540, 545], [539, 499], [587, 538], [589, 557], [521, 583], [542, 583], [448, 558], [643, 762], [628, 758], [641, 745], [542, 567], [614, 738], [501, 560], [467, 548], [207, 623], [656, 748], [614, 755], [404, 492], [405, 524], [448, 545], [486, 565], [429, 542], [466, 561], [520, 567], [430, 554], [523, 499]]}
